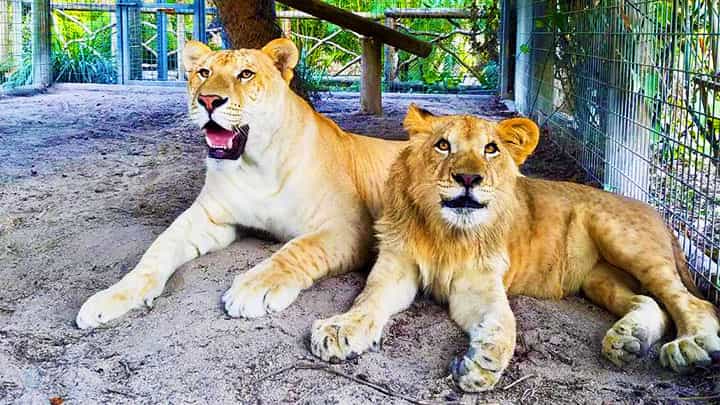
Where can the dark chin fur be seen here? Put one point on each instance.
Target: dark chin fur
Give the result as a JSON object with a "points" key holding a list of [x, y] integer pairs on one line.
{"points": [[464, 201]]}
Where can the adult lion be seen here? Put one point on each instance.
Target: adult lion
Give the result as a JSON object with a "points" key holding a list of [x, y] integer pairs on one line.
{"points": [[273, 164], [461, 222]]}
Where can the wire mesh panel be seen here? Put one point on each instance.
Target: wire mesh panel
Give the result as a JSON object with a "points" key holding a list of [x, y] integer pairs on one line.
{"points": [[164, 28], [16, 44], [465, 53], [631, 90], [84, 41]]}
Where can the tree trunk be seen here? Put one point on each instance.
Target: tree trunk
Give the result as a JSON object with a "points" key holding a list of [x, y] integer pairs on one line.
{"points": [[251, 24], [248, 23]]}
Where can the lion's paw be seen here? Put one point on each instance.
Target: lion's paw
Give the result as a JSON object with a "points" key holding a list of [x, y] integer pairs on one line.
{"points": [[257, 293], [626, 341], [105, 306], [344, 337], [687, 352], [631, 337], [477, 370]]}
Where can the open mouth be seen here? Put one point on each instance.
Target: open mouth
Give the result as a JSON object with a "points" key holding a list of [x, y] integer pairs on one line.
{"points": [[463, 201], [224, 144]]}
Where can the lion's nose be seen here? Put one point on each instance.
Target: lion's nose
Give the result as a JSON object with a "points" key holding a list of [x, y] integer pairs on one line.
{"points": [[467, 180], [211, 101]]}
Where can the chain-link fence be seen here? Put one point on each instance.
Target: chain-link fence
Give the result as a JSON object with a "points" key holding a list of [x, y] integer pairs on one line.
{"points": [[631, 90]]}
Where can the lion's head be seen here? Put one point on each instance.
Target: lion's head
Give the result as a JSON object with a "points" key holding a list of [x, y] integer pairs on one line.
{"points": [[234, 93], [461, 170]]}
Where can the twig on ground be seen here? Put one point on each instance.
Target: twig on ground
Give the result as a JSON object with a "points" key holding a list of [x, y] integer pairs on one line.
{"points": [[518, 381], [697, 398], [329, 370], [7, 310], [123, 393]]}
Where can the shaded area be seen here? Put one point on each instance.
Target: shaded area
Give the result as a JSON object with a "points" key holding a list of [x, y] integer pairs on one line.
{"points": [[90, 176]]}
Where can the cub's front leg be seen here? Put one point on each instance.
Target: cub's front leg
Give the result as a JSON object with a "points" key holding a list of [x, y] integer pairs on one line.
{"points": [[391, 287], [275, 283], [478, 303], [202, 228]]}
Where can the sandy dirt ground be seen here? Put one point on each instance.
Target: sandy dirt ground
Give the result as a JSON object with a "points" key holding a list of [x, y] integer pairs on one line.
{"points": [[89, 176]]}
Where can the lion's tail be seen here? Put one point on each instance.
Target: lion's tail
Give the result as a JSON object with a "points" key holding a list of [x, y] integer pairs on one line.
{"points": [[682, 266]]}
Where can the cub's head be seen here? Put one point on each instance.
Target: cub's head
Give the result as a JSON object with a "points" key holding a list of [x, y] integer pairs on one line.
{"points": [[462, 169], [235, 93]]}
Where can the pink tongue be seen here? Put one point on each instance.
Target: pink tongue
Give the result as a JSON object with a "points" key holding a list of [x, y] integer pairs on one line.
{"points": [[219, 138]]}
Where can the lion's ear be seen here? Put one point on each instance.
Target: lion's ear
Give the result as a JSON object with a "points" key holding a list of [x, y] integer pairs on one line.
{"points": [[417, 119], [192, 53], [284, 55], [520, 136]]}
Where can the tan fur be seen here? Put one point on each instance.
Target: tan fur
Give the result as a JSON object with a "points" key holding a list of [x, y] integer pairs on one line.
{"points": [[301, 178], [535, 237]]}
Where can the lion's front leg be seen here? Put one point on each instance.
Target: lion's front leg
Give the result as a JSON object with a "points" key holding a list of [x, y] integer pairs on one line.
{"points": [[195, 232], [478, 303], [275, 283], [391, 287]]}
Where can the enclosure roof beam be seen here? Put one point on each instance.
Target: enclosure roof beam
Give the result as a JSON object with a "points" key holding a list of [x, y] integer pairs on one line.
{"points": [[362, 26]]}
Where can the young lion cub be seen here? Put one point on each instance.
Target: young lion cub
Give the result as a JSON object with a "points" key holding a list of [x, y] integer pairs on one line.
{"points": [[461, 222]]}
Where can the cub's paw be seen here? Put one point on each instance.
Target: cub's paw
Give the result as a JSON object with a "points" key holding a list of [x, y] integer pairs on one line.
{"points": [[105, 306], [631, 337], [479, 369], [687, 352], [626, 341], [260, 292], [344, 337]]}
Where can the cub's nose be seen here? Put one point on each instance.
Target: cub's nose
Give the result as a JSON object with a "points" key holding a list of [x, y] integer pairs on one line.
{"points": [[211, 101], [467, 180]]}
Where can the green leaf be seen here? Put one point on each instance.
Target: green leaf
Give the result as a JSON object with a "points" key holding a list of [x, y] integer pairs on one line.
{"points": [[651, 84]]}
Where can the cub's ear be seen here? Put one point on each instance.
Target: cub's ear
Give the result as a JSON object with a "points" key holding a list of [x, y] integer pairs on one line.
{"points": [[520, 136], [417, 119], [193, 52], [284, 55]]}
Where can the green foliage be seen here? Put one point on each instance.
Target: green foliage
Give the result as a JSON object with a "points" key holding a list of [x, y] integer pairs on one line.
{"points": [[16, 72], [81, 47], [466, 49]]}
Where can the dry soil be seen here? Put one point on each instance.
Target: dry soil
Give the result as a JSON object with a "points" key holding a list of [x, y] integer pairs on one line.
{"points": [[89, 176]]}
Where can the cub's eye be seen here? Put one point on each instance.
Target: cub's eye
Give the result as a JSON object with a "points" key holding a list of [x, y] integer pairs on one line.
{"points": [[442, 146], [204, 73], [246, 74], [491, 149]]}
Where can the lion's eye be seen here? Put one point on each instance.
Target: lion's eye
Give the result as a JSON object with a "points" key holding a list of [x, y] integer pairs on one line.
{"points": [[442, 146], [246, 74], [204, 73], [491, 149]]}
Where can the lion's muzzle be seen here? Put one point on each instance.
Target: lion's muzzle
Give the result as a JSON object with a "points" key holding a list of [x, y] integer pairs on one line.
{"points": [[223, 143]]}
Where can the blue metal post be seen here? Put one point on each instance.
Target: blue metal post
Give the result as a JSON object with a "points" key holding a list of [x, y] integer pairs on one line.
{"points": [[199, 26], [128, 36], [162, 45]]}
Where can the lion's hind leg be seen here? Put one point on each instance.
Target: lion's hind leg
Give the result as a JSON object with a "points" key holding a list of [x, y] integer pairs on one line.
{"points": [[638, 242], [642, 321]]}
